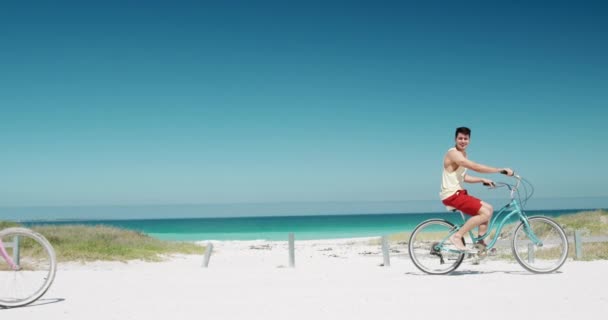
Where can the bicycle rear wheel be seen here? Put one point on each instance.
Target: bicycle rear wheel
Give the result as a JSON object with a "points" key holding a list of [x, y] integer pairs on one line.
{"points": [[426, 247], [546, 256], [35, 267]]}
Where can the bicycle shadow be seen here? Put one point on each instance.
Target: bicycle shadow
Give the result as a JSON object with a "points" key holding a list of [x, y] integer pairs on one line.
{"points": [[478, 272], [38, 303]]}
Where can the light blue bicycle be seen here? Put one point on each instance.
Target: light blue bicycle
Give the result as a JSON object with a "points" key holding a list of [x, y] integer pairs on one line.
{"points": [[539, 243]]}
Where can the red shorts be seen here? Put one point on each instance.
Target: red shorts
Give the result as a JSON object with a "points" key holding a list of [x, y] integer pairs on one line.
{"points": [[462, 201]]}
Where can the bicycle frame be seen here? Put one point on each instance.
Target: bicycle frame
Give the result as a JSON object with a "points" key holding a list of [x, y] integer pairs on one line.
{"points": [[511, 209], [6, 257]]}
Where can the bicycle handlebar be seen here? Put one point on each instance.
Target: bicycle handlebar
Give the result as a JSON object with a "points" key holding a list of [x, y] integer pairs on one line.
{"points": [[514, 188], [506, 173]]}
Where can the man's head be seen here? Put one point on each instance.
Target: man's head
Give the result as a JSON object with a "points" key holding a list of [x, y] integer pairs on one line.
{"points": [[463, 130], [462, 136]]}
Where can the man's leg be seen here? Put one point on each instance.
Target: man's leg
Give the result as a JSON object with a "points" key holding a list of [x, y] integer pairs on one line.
{"points": [[483, 216], [483, 227]]}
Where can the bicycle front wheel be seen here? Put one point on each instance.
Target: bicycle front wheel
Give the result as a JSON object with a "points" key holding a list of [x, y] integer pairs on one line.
{"points": [[34, 267], [426, 247], [545, 255]]}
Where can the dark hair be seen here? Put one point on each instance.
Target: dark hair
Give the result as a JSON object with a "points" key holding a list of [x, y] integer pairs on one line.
{"points": [[463, 130]]}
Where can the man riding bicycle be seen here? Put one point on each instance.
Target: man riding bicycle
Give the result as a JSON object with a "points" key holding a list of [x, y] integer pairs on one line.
{"points": [[453, 194]]}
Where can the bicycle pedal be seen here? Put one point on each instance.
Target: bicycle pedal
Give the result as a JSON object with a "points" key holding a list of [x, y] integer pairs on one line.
{"points": [[481, 250], [470, 253], [480, 246]]}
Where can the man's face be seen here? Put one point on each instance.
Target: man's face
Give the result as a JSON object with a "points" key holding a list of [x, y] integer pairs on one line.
{"points": [[462, 141]]}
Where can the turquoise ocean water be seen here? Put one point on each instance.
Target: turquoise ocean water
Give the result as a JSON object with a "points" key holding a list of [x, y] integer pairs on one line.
{"points": [[278, 228]]}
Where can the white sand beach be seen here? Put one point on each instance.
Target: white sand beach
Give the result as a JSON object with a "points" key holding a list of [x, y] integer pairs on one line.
{"points": [[332, 279]]}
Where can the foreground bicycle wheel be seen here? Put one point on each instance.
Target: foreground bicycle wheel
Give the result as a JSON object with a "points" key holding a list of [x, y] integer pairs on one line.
{"points": [[36, 266], [425, 247], [545, 257]]}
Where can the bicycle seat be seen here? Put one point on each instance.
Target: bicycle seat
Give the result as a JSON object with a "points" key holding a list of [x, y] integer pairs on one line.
{"points": [[452, 209]]}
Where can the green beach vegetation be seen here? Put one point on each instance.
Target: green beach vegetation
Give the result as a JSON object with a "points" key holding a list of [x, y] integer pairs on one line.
{"points": [[7, 224], [91, 243], [591, 224]]}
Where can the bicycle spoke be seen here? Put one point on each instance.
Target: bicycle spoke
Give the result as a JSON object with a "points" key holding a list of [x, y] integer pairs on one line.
{"points": [[428, 247]]}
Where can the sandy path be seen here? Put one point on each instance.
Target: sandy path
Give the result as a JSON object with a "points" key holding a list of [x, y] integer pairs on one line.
{"points": [[332, 279]]}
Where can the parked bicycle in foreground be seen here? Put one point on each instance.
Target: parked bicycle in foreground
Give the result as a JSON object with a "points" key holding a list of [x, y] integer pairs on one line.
{"points": [[539, 243], [27, 267]]}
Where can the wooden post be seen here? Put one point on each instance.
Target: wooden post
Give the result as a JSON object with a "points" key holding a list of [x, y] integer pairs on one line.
{"points": [[530, 252], [16, 250], [292, 254], [207, 254], [578, 245], [385, 252]]}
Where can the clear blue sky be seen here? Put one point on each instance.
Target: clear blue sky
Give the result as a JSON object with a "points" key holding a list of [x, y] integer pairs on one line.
{"points": [[236, 102]]}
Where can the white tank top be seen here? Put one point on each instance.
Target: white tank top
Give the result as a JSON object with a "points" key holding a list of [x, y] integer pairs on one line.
{"points": [[452, 181]]}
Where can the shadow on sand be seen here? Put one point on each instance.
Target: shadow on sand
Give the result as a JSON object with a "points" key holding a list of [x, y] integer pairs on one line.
{"points": [[477, 272], [37, 303]]}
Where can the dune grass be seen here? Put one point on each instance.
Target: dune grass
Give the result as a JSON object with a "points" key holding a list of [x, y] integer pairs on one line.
{"points": [[591, 223], [592, 251], [91, 243], [8, 224]]}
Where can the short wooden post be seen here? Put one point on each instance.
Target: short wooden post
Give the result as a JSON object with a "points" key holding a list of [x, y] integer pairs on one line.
{"points": [[207, 254], [578, 245], [530, 252], [292, 253], [385, 252], [16, 250]]}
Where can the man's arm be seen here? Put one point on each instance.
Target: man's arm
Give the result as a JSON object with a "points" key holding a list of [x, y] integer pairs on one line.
{"points": [[472, 179], [460, 160]]}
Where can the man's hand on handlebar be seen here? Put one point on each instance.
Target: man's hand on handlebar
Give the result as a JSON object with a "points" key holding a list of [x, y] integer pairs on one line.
{"points": [[488, 183], [507, 171]]}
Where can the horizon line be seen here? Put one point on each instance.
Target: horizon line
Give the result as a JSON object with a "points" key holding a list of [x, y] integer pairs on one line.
{"points": [[275, 216], [263, 203]]}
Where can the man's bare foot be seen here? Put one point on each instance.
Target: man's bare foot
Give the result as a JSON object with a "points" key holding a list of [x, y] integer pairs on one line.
{"points": [[483, 243], [456, 240]]}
